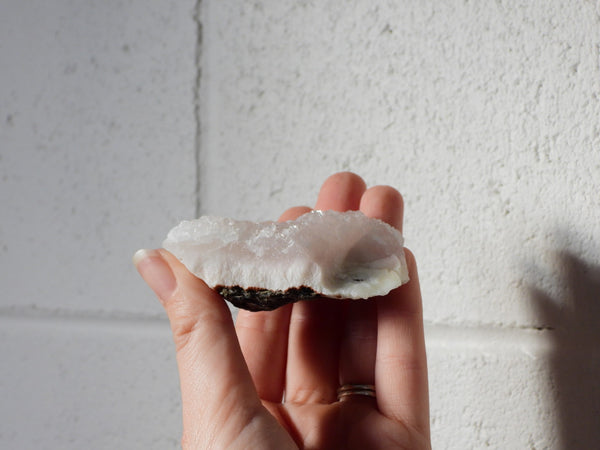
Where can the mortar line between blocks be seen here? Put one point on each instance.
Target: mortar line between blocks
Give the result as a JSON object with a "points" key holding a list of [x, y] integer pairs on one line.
{"points": [[532, 341], [483, 338], [197, 16], [23, 318]]}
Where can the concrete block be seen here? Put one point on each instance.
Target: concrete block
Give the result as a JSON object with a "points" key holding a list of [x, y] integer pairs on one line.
{"points": [[96, 384], [97, 153], [503, 388], [496, 388], [482, 114]]}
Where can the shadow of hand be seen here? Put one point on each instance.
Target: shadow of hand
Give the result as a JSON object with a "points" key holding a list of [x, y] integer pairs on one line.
{"points": [[574, 326]]}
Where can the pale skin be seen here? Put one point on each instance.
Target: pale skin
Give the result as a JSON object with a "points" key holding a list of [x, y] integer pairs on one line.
{"points": [[269, 381]]}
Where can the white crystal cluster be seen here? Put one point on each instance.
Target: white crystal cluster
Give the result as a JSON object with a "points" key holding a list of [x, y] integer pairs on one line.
{"points": [[344, 255]]}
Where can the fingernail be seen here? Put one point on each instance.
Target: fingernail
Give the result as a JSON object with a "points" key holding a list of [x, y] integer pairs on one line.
{"points": [[156, 272]]}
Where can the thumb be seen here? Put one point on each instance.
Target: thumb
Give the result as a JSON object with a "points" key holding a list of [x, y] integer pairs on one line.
{"points": [[214, 378]]}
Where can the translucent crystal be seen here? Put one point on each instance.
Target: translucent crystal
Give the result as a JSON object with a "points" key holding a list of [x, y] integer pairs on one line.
{"points": [[344, 255]]}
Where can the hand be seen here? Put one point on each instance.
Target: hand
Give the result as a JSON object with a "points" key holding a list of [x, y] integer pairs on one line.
{"points": [[270, 380]]}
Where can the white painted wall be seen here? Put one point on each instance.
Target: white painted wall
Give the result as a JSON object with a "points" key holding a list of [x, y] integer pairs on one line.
{"points": [[97, 159], [486, 115]]}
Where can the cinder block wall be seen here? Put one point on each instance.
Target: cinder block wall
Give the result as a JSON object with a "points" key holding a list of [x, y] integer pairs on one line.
{"points": [[97, 159], [117, 119], [486, 116]]}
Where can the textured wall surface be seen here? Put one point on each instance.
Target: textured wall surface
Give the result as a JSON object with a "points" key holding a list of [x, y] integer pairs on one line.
{"points": [[486, 116], [97, 159], [117, 119]]}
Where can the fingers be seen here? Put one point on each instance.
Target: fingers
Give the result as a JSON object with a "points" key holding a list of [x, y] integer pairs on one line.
{"points": [[341, 192], [316, 326], [358, 344], [263, 339], [384, 203], [359, 341], [212, 370], [294, 213], [401, 364]]}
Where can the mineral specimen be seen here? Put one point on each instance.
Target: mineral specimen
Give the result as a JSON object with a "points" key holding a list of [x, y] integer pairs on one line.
{"points": [[264, 265]]}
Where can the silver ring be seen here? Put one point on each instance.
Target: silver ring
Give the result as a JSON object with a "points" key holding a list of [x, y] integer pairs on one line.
{"points": [[347, 390]]}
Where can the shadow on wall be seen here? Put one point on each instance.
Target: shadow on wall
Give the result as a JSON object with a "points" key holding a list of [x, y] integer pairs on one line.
{"points": [[574, 359]]}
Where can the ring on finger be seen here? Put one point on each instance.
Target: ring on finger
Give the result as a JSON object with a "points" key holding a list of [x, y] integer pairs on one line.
{"points": [[346, 391]]}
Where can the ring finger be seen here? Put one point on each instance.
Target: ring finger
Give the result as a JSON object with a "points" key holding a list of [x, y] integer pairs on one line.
{"points": [[359, 338]]}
